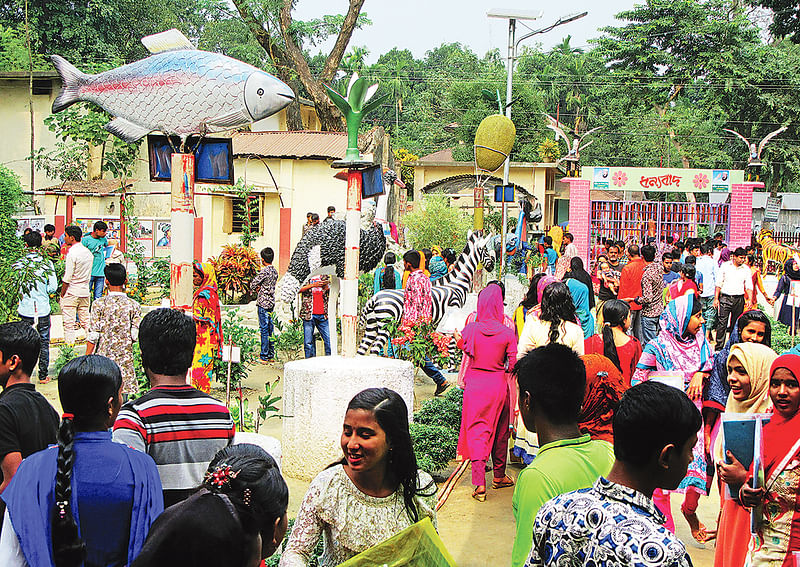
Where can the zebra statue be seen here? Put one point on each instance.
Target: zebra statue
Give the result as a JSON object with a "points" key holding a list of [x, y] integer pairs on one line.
{"points": [[449, 291]]}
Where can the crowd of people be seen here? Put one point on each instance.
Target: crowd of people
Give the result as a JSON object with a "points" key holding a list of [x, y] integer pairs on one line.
{"points": [[608, 388]]}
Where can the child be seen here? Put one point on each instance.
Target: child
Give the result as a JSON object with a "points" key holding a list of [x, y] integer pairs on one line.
{"points": [[114, 326], [264, 285]]}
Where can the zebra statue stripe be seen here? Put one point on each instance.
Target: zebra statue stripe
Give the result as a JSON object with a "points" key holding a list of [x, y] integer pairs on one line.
{"points": [[449, 291]]}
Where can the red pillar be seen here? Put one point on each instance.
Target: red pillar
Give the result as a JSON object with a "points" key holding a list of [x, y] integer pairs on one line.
{"points": [[740, 215], [285, 240], [580, 211], [198, 239]]}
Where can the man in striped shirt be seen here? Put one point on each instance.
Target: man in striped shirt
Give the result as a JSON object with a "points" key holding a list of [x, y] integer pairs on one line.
{"points": [[180, 427]]}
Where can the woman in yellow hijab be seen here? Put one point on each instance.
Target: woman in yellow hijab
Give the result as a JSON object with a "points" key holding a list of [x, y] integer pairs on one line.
{"points": [[748, 376], [207, 316]]}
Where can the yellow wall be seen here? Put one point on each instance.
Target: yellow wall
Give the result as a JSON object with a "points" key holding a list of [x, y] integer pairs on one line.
{"points": [[16, 120], [531, 176]]}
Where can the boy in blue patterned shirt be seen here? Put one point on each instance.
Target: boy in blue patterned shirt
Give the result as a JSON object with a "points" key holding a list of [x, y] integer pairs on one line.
{"points": [[615, 522]]}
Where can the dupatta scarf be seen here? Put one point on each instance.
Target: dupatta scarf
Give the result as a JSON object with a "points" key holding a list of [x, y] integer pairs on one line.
{"points": [[206, 304], [671, 350]]}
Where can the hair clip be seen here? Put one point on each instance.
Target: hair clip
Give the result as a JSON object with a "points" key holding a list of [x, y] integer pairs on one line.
{"points": [[62, 509], [246, 494], [220, 476], [602, 374], [66, 415]]}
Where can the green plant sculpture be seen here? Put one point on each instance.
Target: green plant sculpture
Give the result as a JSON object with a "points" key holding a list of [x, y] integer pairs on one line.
{"points": [[355, 107]]}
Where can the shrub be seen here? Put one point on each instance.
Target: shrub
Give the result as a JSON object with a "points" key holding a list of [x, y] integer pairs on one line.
{"points": [[249, 342], [65, 354], [434, 433], [434, 222], [781, 336], [236, 267], [288, 339], [434, 445]]}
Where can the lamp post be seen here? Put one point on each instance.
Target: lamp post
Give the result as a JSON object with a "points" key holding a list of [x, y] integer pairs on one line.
{"points": [[512, 16]]}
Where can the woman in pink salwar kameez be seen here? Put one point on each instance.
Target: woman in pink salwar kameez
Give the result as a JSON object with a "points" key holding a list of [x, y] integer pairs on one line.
{"points": [[490, 345]]}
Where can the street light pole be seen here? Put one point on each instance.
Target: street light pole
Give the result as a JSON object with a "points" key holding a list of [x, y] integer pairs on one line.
{"points": [[512, 56]]}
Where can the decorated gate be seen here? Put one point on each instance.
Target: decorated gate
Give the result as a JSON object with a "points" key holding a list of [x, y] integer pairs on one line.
{"points": [[636, 220]]}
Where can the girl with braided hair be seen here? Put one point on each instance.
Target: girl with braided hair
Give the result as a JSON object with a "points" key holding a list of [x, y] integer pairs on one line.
{"points": [[89, 501], [235, 519]]}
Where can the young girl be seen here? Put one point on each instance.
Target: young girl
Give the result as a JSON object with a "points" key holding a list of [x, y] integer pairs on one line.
{"points": [[236, 518], [614, 342], [374, 492], [89, 501]]}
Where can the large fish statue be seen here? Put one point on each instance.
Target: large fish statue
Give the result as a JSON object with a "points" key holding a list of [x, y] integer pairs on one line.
{"points": [[179, 90]]}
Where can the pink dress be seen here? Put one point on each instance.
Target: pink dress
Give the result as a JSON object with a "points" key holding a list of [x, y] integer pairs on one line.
{"points": [[485, 417]]}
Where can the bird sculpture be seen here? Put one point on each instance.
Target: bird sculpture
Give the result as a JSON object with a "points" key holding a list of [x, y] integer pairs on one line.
{"points": [[754, 163], [573, 157]]}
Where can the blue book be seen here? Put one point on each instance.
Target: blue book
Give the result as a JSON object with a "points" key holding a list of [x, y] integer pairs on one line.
{"points": [[740, 435]]}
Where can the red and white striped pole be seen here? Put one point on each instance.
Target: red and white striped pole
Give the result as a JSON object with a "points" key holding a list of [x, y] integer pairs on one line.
{"points": [[351, 257], [181, 288]]}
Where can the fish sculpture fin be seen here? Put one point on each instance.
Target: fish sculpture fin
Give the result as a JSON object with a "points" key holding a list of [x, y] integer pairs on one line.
{"points": [[71, 80], [126, 130], [230, 120], [170, 40]]}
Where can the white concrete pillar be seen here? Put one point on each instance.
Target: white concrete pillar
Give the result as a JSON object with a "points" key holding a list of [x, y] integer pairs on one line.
{"points": [[316, 392], [182, 246]]}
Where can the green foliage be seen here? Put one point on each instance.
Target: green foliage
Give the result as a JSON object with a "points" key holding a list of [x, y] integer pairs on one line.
{"points": [[288, 338], [247, 207], [244, 420], [143, 382], [247, 339], [65, 354], [14, 280], [236, 267], [548, 150], [14, 51], [313, 561], [434, 432], [435, 446], [266, 404], [365, 289], [434, 222], [781, 336], [151, 273]]}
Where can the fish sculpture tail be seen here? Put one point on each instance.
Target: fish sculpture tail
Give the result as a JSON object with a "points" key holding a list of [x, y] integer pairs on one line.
{"points": [[71, 80]]}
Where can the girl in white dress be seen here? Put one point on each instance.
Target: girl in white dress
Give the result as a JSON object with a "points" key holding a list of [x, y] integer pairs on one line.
{"points": [[374, 492]]}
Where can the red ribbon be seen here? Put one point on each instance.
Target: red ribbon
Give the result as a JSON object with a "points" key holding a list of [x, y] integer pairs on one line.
{"points": [[67, 416]]}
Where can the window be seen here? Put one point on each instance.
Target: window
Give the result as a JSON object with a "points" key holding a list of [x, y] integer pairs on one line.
{"points": [[239, 215], [42, 86]]}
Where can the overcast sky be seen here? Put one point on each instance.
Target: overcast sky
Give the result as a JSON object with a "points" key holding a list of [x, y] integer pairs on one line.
{"points": [[420, 25]]}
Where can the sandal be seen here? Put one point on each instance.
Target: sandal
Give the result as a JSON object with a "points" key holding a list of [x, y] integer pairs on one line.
{"points": [[504, 482], [479, 495], [696, 527]]}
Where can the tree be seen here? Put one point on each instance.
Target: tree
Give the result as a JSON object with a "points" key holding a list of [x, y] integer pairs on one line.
{"points": [[785, 18], [282, 38]]}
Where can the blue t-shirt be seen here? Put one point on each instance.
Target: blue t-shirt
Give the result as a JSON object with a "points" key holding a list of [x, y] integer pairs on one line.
{"points": [[97, 247], [552, 257]]}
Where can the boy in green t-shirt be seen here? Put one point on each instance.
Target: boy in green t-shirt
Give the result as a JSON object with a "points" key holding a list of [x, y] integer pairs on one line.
{"points": [[552, 380], [96, 242]]}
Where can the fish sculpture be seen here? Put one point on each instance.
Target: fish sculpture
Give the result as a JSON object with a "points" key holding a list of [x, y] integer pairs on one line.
{"points": [[179, 90]]}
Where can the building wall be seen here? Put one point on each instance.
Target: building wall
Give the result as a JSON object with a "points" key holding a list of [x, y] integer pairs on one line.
{"points": [[16, 120], [533, 177]]}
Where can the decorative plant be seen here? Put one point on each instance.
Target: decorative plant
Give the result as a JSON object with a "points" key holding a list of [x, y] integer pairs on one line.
{"points": [[548, 150], [236, 267], [246, 339], [266, 404], [355, 107], [288, 339], [417, 340], [781, 336], [434, 432], [65, 354], [244, 419]]}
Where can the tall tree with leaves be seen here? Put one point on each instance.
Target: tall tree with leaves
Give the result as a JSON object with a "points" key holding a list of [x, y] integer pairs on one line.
{"points": [[283, 38]]}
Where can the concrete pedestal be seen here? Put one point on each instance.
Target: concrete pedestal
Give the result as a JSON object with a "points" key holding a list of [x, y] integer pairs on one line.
{"points": [[316, 392]]}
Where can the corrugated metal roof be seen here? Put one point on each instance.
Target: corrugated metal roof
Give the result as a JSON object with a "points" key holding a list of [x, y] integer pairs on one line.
{"points": [[302, 145], [98, 187]]}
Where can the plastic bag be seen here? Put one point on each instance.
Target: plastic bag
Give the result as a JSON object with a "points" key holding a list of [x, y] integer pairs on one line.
{"points": [[416, 546]]}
